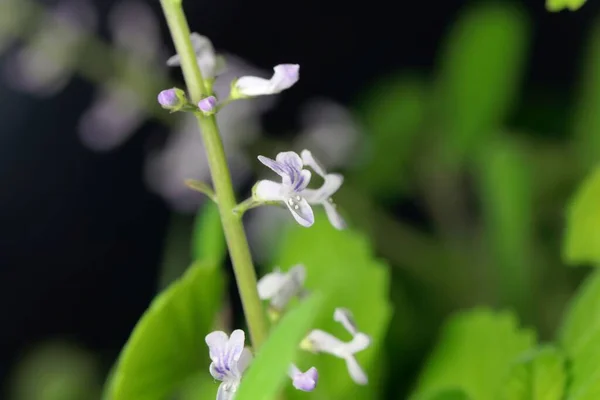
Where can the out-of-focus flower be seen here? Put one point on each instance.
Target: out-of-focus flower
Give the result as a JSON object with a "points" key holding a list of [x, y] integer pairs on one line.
{"points": [[280, 287], [330, 131], [284, 77], [45, 65], [305, 381], [211, 64], [323, 195], [319, 341], [117, 111], [294, 179], [229, 360], [208, 104]]}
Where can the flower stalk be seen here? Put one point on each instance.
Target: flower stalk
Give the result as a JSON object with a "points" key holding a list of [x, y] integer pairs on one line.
{"points": [[232, 224]]}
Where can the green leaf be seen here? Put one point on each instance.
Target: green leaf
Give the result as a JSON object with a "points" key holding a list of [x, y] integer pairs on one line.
{"points": [[558, 5], [208, 239], [268, 372], [474, 354], [392, 112], [175, 256], [507, 203], [580, 339], [540, 375], [341, 264], [586, 122], [167, 345], [449, 394], [480, 73], [582, 238]]}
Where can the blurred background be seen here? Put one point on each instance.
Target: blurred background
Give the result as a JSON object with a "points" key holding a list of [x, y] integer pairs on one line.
{"points": [[462, 128]]}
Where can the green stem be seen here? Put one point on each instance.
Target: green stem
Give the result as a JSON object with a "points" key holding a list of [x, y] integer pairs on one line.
{"points": [[232, 224]]}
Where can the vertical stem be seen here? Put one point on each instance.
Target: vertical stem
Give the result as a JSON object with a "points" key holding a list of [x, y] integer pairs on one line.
{"points": [[232, 224]]}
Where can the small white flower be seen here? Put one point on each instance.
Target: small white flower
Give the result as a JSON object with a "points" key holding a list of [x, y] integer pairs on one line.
{"points": [[209, 62], [323, 195], [280, 287], [284, 77], [288, 165], [229, 360], [322, 342], [305, 381]]}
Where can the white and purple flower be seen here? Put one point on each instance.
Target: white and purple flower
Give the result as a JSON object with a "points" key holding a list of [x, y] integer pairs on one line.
{"points": [[319, 341], [229, 360], [294, 179], [280, 287], [284, 77], [209, 62]]}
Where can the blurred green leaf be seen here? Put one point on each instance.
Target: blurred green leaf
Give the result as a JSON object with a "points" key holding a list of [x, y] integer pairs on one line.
{"points": [[268, 371], [480, 73], [167, 345], [582, 237], [586, 121], [558, 5], [176, 255], [507, 201], [56, 371], [342, 265], [540, 375], [580, 339], [474, 354], [449, 394], [392, 113], [208, 239]]}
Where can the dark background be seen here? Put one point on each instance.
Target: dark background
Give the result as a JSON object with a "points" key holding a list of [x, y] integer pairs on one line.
{"points": [[81, 236]]}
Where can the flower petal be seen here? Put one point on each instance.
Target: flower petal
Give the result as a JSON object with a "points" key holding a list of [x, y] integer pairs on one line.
{"points": [[270, 284], [290, 287], [244, 361], [290, 158], [302, 181], [344, 317], [276, 166], [235, 347], [216, 372], [217, 344], [301, 210], [360, 342], [309, 160], [321, 341], [253, 86], [268, 191], [334, 216], [285, 76], [306, 381], [331, 185], [356, 372]]}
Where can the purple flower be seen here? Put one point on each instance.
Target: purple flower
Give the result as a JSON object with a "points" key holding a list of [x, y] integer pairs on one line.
{"points": [[294, 179], [284, 77], [207, 105], [305, 381], [168, 98], [229, 360]]}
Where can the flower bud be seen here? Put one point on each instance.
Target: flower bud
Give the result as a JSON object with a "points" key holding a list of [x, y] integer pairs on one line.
{"points": [[172, 99], [207, 105]]}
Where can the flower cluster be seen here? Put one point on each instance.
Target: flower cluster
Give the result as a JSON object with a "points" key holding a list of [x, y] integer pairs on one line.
{"points": [[230, 358], [211, 65], [228, 354]]}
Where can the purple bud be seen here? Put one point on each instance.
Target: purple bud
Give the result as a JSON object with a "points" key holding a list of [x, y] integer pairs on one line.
{"points": [[168, 98], [306, 381], [207, 105]]}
